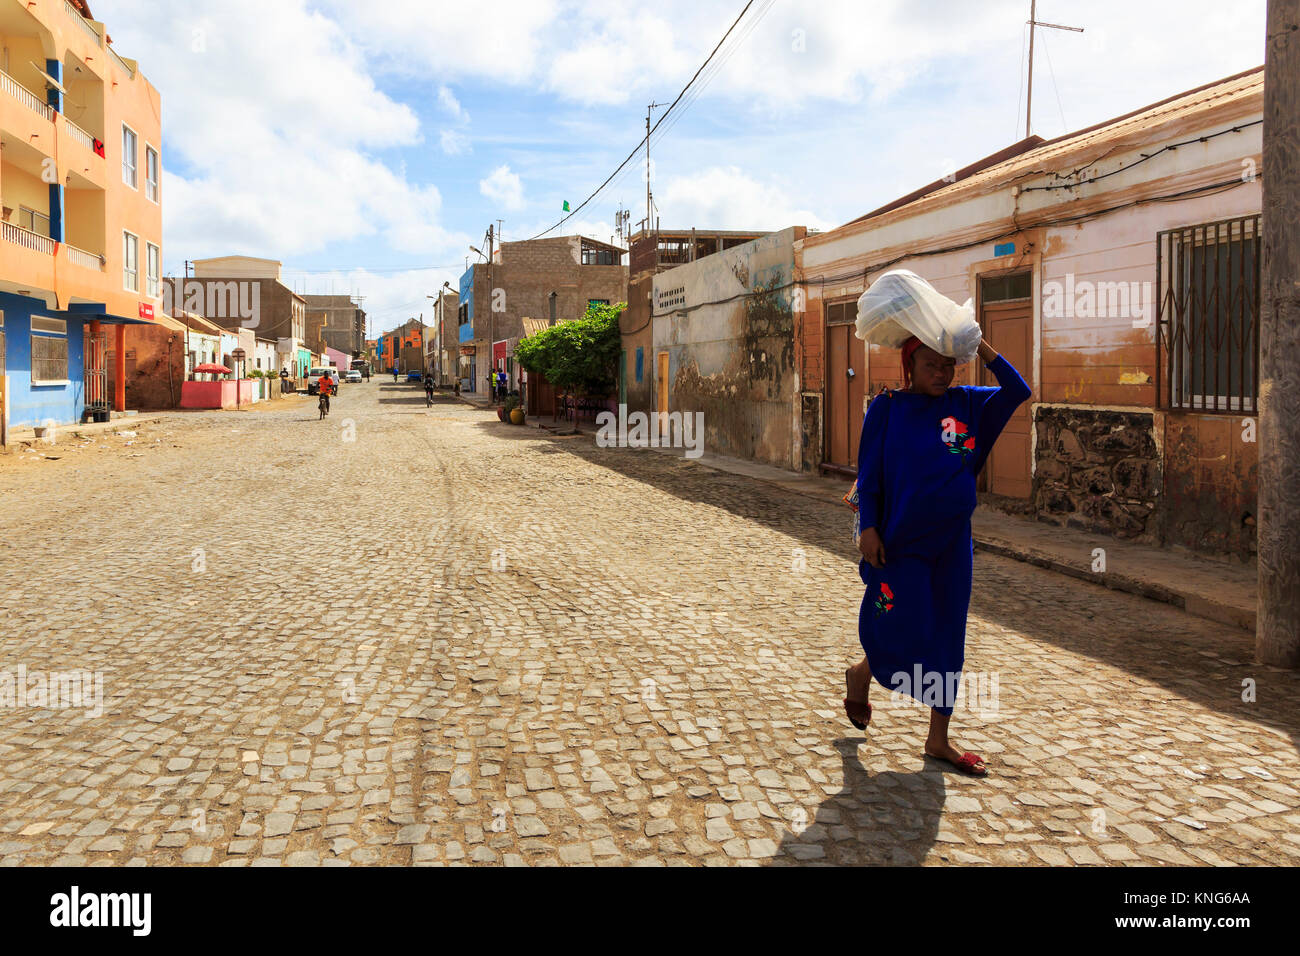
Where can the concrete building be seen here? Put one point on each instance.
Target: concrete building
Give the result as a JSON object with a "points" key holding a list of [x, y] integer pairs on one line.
{"points": [[441, 346], [1118, 269], [540, 278], [723, 345], [80, 210], [246, 292], [402, 348], [344, 323], [649, 253]]}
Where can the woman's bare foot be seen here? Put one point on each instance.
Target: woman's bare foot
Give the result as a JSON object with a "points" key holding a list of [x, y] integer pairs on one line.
{"points": [[857, 680]]}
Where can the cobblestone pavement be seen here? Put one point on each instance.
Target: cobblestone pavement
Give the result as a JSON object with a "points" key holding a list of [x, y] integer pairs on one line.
{"points": [[409, 635]]}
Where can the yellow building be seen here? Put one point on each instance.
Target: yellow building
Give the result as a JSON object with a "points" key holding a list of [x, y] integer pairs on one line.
{"points": [[80, 209]]}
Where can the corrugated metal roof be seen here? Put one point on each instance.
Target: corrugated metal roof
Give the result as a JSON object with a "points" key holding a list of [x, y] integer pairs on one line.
{"points": [[1050, 156]]}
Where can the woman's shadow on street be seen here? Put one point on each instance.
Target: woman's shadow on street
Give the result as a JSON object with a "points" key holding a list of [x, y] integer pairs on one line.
{"points": [[883, 819]]}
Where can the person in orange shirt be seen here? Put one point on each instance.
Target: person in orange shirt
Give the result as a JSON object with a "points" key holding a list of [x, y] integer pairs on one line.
{"points": [[326, 387]]}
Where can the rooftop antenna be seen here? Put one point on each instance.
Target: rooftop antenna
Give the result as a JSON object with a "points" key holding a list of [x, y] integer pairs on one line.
{"points": [[1034, 22]]}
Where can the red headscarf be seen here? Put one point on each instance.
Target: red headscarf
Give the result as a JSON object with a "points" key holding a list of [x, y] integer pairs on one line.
{"points": [[909, 348]]}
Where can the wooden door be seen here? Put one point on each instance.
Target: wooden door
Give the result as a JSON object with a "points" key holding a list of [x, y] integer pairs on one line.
{"points": [[846, 384], [1008, 326]]}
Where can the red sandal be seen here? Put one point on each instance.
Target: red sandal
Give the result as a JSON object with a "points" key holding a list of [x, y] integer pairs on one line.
{"points": [[967, 763], [854, 709]]}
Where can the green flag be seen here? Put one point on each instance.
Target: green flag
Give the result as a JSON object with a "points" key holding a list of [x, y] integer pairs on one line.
{"points": [[566, 205]]}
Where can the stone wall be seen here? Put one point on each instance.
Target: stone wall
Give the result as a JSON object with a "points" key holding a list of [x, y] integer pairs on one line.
{"points": [[1098, 470]]}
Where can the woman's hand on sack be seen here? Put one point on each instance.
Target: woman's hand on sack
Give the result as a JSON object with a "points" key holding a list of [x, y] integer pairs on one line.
{"points": [[872, 548]]}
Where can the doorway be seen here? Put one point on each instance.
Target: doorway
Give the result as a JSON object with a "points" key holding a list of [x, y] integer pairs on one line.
{"points": [[1007, 318], [662, 385], [845, 386]]}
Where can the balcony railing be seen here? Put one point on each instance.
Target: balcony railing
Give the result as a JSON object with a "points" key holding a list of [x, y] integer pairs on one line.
{"points": [[85, 24], [83, 258], [121, 62], [25, 96], [26, 238], [80, 135]]}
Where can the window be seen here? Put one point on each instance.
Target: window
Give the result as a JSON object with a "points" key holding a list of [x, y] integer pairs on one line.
{"points": [[1006, 288], [151, 269], [591, 256], [130, 262], [34, 221], [1207, 288], [151, 173], [128, 156], [49, 351]]}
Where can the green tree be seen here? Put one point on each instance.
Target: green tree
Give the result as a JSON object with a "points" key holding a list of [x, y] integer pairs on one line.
{"points": [[578, 356]]}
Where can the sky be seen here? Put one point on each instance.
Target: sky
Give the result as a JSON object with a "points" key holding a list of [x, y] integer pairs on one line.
{"points": [[366, 144]]}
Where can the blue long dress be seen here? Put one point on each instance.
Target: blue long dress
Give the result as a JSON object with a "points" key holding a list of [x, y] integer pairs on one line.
{"points": [[917, 463]]}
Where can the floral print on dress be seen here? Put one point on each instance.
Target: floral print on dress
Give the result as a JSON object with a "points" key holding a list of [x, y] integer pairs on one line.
{"points": [[884, 600], [956, 435]]}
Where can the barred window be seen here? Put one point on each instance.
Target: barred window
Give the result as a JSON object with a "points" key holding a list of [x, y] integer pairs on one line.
{"points": [[1208, 286], [49, 351]]}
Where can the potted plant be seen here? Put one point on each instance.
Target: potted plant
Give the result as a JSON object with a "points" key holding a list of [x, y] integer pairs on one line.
{"points": [[512, 409]]}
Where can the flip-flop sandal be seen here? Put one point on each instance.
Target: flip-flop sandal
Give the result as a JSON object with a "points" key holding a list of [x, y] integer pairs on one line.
{"points": [[854, 709], [967, 763]]}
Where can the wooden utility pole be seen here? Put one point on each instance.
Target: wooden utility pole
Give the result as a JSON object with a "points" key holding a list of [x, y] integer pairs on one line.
{"points": [[1277, 634], [1034, 23]]}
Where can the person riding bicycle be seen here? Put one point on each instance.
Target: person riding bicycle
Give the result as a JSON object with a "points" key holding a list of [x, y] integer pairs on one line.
{"points": [[428, 385], [394, 373], [327, 388]]}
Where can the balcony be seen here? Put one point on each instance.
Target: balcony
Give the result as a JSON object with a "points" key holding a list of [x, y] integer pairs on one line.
{"points": [[26, 238], [85, 24], [80, 135], [81, 257], [25, 96], [121, 62]]}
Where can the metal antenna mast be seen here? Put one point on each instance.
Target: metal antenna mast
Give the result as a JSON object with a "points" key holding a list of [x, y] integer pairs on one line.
{"points": [[1034, 22]]}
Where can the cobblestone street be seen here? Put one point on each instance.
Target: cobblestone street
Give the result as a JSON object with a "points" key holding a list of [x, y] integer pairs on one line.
{"points": [[408, 635]]}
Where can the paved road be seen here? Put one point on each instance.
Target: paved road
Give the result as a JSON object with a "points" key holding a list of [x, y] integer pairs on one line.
{"points": [[408, 635]]}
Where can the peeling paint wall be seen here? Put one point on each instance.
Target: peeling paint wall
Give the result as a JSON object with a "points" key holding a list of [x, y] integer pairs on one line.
{"points": [[727, 323], [1211, 463]]}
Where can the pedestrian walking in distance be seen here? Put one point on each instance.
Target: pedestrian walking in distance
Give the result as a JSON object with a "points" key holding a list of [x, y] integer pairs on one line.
{"points": [[922, 447]]}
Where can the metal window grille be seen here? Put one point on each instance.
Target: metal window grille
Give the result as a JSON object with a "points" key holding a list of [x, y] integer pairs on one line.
{"points": [[49, 359], [1207, 336]]}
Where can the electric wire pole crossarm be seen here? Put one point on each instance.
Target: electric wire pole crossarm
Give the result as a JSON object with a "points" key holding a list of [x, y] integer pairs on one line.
{"points": [[1034, 23]]}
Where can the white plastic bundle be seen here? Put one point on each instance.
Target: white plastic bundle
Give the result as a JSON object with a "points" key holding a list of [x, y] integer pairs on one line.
{"points": [[901, 304]]}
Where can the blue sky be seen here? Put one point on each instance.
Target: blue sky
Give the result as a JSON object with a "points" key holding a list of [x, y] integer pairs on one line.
{"points": [[367, 143]]}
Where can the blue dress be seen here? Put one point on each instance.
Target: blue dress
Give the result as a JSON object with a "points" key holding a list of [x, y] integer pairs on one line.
{"points": [[917, 462]]}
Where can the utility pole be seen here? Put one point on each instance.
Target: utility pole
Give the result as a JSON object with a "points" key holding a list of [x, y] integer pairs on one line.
{"points": [[1277, 629], [492, 349], [1033, 24], [649, 201]]}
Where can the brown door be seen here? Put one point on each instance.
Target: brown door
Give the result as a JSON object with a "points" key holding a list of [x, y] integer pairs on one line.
{"points": [[1009, 329], [846, 382]]}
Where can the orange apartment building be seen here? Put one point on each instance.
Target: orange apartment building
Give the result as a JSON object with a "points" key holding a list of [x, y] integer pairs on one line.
{"points": [[81, 216]]}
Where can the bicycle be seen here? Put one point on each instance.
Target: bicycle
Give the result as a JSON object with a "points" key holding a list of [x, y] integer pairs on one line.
{"points": [[428, 396], [323, 405]]}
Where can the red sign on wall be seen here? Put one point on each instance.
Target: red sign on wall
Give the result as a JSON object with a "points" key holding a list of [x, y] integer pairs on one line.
{"points": [[146, 310]]}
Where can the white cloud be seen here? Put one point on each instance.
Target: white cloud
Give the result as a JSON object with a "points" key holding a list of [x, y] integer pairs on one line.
{"points": [[268, 144], [453, 143], [447, 100], [504, 187], [725, 197]]}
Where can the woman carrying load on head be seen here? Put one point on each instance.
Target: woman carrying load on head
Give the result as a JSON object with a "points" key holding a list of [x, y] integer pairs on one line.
{"points": [[922, 447]]}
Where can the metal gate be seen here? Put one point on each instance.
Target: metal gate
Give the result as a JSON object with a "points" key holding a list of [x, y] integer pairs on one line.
{"points": [[96, 376]]}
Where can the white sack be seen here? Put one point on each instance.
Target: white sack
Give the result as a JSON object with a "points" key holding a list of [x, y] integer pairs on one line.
{"points": [[901, 304]]}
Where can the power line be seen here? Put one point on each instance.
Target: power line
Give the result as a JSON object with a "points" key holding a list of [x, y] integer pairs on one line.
{"points": [[647, 136]]}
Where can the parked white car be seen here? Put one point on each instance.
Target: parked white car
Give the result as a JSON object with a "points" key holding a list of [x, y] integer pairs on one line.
{"points": [[353, 375]]}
